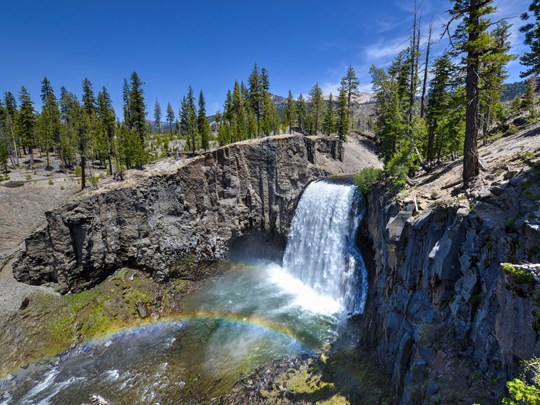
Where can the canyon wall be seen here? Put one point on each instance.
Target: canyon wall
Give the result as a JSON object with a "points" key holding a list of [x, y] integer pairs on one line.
{"points": [[169, 221], [448, 321]]}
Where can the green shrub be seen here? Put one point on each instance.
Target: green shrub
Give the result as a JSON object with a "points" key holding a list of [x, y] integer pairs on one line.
{"points": [[367, 178], [78, 171], [525, 390], [518, 275], [51, 182], [28, 177], [513, 129], [94, 180]]}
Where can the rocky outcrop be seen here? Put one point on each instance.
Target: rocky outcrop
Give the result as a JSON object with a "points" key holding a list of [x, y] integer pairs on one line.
{"points": [[444, 316], [171, 220]]}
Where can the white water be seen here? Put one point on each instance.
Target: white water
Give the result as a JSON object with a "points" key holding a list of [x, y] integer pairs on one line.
{"points": [[254, 315], [321, 251]]}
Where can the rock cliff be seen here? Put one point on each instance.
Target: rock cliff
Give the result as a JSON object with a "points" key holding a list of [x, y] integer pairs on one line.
{"points": [[176, 215], [446, 314]]}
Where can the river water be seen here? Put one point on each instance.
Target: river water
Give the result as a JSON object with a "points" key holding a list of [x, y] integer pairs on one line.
{"points": [[234, 324]]}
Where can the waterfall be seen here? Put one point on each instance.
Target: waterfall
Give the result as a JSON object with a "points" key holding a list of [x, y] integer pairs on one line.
{"points": [[321, 249]]}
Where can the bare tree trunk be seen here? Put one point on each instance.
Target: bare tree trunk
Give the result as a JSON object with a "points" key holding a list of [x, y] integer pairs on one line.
{"points": [[15, 148], [426, 70], [31, 152], [471, 168], [83, 171], [412, 84]]}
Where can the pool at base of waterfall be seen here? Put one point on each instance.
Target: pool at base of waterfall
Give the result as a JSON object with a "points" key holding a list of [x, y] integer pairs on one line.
{"points": [[234, 324]]}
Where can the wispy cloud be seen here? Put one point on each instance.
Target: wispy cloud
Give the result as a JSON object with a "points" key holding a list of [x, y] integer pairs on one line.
{"points": [[330, 88], [383, 49]]}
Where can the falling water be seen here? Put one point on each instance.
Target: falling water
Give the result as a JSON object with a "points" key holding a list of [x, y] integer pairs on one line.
{"points": [[321, 250], [260, 312]]}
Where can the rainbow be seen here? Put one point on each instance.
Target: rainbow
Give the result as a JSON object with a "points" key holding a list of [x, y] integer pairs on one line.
{"points": [[186, 317]]}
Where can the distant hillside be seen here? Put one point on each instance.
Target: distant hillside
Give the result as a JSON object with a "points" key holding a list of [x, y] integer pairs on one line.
{"points": [[513, 90], [361, 102]]}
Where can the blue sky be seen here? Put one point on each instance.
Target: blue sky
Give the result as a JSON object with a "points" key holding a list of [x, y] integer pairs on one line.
{"points": [[209, 44]]}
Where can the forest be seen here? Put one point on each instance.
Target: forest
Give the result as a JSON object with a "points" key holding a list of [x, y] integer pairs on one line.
{"points": [[425, 110]]}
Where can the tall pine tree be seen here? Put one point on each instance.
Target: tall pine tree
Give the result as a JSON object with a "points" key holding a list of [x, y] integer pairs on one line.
{"points": [[472, 40], [290, 111], [26, 122], [157, 115], [170, 117], [203, 125], [329, 123], [531, 29], [317, 105]]}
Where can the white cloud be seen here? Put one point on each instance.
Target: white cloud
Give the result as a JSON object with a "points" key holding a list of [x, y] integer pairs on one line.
{"points": [[386, 49], [330, 88]]}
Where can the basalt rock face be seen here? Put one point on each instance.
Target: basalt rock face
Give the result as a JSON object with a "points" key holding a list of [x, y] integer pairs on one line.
{"points": [[168, 223], [445, 318]]}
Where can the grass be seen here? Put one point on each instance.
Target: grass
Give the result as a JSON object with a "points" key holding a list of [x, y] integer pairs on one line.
{"points": [[52, 324], [341, 377]]}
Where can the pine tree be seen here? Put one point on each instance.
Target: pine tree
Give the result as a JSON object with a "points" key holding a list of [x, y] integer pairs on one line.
{"points": [[390, 123], [239, 117], [290, 111], [9, 126], [531, 30], [26, 122], [4, 143], [301, 111], [493, 73], [268, 108], [265, 80], [126, 90], [227, 107], [438, 101], [170, 117], [256, 94], [268, 116], [316, 103], [157, 115], [245, 93], [88, 98], [48, 126], [10, 104], [472, 39], [529, 98], [4, 153], [329, 123], [67, 145], [252, 124], [202, 123], [137, 107], [188, 119], [350, 83], [89, 130], [78, 129], [343, 114], [107, 119]]}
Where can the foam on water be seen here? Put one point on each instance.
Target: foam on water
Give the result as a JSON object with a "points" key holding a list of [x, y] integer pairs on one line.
{"points": [[321, 250], [304, 296]]}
